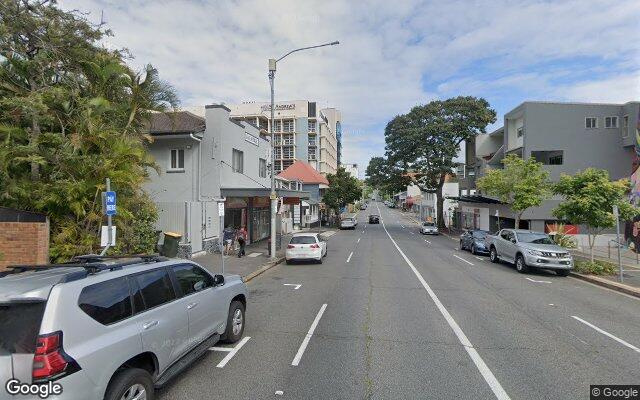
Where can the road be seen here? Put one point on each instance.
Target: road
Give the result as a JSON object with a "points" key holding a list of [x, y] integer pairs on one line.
{"points": [[412, 317]]}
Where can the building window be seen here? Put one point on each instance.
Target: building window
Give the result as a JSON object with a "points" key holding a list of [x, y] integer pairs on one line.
{"points": [[312, 140], [288, 139], [287, 152], [278, 153], [591, 122], [554, 157], [625, 126], [177, 160], [277, 140], [312, 153], [312, 126], [287, 125], [277, 125], [610, 122], [520, 131], [262, 168], [237, 161]]}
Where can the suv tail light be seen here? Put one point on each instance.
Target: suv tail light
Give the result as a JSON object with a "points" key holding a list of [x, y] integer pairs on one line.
{"points": [[315, 246], [290, 246], [50, 361]]}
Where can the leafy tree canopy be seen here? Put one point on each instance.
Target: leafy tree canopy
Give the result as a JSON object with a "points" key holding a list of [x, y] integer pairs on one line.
{"points": [[343, 189], [589, 197], [521, 183], [72, 113]]}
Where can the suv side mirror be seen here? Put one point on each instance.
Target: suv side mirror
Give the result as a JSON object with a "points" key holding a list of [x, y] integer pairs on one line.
{"points": [[513, 240], [218, 280]]}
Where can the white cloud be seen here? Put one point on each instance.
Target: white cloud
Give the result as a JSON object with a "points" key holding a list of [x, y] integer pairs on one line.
{"points": [[390, 51]]}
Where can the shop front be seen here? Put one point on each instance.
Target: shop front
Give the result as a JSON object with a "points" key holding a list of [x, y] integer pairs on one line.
{"points": [[260, 218]]}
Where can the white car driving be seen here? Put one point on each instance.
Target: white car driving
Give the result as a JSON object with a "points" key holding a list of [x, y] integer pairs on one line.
{"points": [[306, 246]]}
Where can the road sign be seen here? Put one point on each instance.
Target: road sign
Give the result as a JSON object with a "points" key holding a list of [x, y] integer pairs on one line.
{"points": [[221, 209], [110, 203]]}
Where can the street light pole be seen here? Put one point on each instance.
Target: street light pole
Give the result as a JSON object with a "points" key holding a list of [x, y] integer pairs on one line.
{"points": [[273, 198]]}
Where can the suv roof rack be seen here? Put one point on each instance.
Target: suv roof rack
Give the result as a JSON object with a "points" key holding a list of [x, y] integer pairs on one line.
{"points": [[92, 263]]}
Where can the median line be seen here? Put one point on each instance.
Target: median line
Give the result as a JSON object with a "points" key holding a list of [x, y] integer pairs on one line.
{"points": [[307, 338], [349, 258]]}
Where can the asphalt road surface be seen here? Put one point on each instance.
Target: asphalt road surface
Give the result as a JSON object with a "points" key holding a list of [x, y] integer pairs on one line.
{"points": [[392, 314]]}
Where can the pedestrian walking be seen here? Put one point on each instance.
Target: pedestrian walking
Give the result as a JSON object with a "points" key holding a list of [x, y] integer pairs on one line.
{"points": [[228, 235], [241, 235]]}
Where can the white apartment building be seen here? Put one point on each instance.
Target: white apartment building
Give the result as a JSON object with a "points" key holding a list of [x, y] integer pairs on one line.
{"points": [[352, 169], [301, 132]]}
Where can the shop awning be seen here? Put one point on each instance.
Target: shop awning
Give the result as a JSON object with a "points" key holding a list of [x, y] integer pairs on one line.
{"points": [[475, 198], [310, 202], [261, 192]]}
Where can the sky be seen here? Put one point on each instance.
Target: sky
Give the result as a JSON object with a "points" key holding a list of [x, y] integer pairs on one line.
{"points": [[392, 55]]}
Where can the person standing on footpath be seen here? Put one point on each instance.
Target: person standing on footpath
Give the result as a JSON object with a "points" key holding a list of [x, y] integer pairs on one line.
{"points": [[241, 235]]}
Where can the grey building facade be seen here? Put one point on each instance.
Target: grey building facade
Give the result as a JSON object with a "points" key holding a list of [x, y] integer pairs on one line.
{"points": [[202, 159], [565, 137]]}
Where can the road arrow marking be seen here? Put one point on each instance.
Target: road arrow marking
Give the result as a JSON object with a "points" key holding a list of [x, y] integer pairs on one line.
{"points": [[533, 280], [293, 284]]}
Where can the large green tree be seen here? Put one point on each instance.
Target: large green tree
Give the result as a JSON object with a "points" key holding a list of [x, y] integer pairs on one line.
{"points": [[589, 198], [72, 113], [427, 140], [521, 184], [387, 178], [343, 189]]}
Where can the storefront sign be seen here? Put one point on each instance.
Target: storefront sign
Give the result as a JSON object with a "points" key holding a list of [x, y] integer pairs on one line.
{"points": [[260, 202], [251, 139], [236, 202]]}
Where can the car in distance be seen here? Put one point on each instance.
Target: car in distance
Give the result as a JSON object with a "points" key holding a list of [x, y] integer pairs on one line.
{"points": [[306, 246], [429, 228], [363, 206], [374, 219], [528, 249], [348, 223], [113, 328], [474, 241]]}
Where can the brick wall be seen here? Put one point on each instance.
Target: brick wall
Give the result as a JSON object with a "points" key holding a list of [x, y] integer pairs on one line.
{"points": [[24, 243]]}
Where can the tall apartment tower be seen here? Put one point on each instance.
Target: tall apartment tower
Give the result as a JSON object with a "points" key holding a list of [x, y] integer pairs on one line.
{"points": [[301, 132]]}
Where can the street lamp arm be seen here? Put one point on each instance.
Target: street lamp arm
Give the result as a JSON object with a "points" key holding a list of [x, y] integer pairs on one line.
{"points": [[307, 48]]}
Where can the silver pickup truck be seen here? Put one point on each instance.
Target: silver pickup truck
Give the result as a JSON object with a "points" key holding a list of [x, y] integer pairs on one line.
{"points": [[527, 249]]}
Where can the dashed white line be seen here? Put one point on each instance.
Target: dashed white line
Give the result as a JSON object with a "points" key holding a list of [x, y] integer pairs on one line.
{"points": [[486, 373], [617, 339], [427, 241], [297, 286], [462, 259], [358, 240], [305, 342], [480, 258], [349, 258], [533, 280], [233, 352]]}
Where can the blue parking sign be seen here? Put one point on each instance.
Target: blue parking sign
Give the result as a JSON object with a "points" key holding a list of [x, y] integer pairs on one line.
{"points": [[110, 203]]}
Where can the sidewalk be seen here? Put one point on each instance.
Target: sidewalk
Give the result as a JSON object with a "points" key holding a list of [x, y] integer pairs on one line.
{"points": [[255, 262]]}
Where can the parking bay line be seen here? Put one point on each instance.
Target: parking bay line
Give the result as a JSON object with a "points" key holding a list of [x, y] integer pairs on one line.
{"points": [[617, 339], [462, 259], [307, 338], [533, 280], [349, 258], [486, 373], [232, 352]]}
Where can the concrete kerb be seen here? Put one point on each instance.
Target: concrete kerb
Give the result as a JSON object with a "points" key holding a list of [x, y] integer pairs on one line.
{"points": [[618, 287], [262, 269]]}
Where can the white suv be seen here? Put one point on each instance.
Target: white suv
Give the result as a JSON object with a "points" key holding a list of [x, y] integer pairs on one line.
{"points": [[111, 328]]}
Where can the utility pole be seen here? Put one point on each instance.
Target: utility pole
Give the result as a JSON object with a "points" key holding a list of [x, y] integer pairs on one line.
{"points": [[273, 197]]}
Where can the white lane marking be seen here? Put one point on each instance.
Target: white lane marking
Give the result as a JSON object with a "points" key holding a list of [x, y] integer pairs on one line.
{"points": [[617, 339], [358, 240], [305, 342], [349, 258], [533, 280], [225, 349], [486, 373], [363, 231], [233, 352], [252, 255], [402, 226], [328, 233], [297, 286], [412, 233], [279, 392], [462, 259], [480, 258], [427, 241]]}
